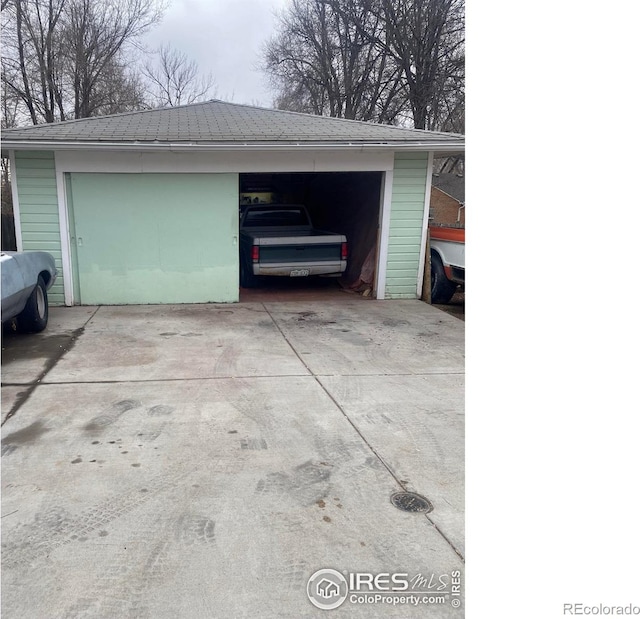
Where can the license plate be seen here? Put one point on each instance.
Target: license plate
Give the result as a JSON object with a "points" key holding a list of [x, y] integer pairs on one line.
{"points": [[299, 273]]}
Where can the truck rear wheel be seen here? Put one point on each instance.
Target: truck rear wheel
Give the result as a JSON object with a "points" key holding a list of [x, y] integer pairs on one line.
{"points": [[247, 278], [442, 289]]}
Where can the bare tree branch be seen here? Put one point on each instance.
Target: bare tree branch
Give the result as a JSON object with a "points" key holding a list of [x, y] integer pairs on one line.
{"points": [[324, 60], [174, 79], [66, 58], [371, 60]]}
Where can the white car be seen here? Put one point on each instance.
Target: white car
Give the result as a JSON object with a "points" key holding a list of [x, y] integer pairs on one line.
{"points": [[26, 278]]}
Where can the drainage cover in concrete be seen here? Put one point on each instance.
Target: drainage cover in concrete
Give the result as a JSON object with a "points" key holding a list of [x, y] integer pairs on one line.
{"points": [[411, 502]]}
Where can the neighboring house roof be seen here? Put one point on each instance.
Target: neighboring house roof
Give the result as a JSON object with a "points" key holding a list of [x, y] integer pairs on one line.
{"points": [[217, 124], [452, 184]]}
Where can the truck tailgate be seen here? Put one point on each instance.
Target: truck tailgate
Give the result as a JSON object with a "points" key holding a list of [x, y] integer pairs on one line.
{"points": [[316, 252]]}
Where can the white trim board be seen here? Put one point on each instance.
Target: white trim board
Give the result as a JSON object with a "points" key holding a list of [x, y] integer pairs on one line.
{"points": [[385, 224], [425, 224], [223, 162], [442, 148], [65, 234], [15, 200]]}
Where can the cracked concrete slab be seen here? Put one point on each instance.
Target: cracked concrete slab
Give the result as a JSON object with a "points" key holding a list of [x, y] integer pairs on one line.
{"points": [[351, 337], [26, 356], [11, 395], [416, 425], [194, 487], [178, 342]]}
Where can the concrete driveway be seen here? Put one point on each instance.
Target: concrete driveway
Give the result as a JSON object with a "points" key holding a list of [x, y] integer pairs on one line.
{"points": [[206, 460]]}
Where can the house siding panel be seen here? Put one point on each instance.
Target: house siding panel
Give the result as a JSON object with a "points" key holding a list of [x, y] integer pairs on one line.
{"points": [[405, 225], [38, 203]]}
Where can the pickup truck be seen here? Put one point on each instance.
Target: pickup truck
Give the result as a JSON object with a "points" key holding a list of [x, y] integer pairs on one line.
{"points": [[447, 261], [279, 240]]}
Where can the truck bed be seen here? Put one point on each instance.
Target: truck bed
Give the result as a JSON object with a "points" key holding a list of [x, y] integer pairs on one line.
{"points": [[290, 251]]}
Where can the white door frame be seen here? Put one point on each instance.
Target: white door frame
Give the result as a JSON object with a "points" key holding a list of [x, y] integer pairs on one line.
{"points": [[425, 224]]}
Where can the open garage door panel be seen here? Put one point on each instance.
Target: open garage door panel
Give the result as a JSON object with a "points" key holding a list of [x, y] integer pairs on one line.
{"points": [[342, 202], [154, 238]]}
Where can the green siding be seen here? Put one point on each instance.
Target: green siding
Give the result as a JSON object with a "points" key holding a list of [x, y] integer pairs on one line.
{"points": [[38, 201], [405, 225], [155, 238]]}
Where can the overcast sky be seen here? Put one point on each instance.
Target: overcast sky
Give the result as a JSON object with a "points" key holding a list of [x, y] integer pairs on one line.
{"points": [[225, 38]]}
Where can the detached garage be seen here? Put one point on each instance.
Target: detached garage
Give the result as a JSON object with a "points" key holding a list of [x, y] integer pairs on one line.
{"points": [[143, 207]]}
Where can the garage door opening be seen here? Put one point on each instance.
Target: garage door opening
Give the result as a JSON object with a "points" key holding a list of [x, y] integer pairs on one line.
{"points": [[346, 203]]}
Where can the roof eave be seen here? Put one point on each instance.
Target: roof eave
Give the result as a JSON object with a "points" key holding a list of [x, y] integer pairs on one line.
{"points": [[439, 147]]}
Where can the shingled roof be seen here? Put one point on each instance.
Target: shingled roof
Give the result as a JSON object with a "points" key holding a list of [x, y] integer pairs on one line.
{"points": [[218, 123], [451, 183]]}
